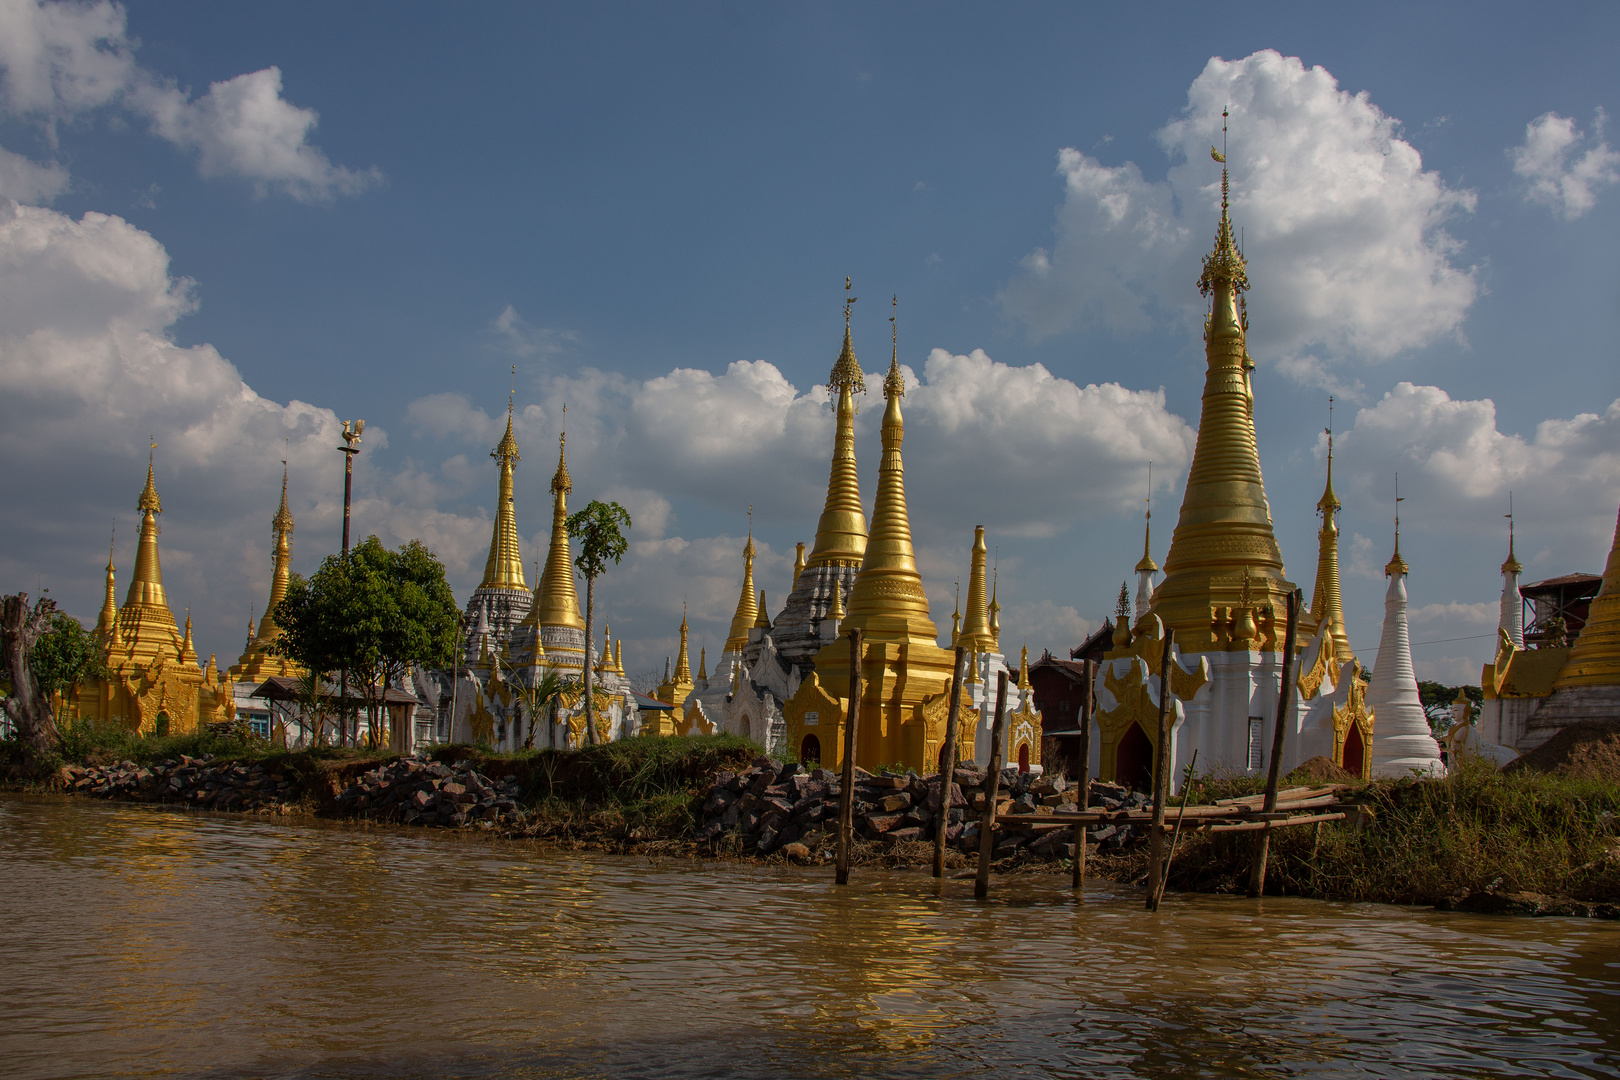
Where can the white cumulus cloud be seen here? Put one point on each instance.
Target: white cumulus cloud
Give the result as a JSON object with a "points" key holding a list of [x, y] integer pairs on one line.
{"points": [[1558, 174], [1342, 226], [59, 60], [90, 373]]}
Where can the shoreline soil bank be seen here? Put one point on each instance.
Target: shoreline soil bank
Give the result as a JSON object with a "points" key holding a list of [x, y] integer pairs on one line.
{"points": [[1539, 839]]}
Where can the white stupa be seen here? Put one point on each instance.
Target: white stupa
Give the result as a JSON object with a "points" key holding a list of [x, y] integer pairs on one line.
{"points": [[1402, 739]]}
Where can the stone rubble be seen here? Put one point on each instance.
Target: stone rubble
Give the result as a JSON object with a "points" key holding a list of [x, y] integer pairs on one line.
{"points": [[772, 806], [416, 791], [200, 782]]}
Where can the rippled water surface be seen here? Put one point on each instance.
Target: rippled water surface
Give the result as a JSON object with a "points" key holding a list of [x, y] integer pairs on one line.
{"points": [[142, 941]]}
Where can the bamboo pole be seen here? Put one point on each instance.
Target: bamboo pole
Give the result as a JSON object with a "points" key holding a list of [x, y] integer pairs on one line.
{"points": [[947, 766], [992, 788], [1084, 797], [1285, 699], [1175, 839], [846, 790], [1161, 777]]}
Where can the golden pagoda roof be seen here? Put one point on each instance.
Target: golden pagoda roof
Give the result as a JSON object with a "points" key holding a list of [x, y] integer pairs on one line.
{"points": [[556, 601], [683, 665], [975, 631], [1511, 565], [146, 625], [257, 662], [887, 600], [841, 533], [1146, 563], [1223, 540], [504, 567], [1327, 604], [747, 607], [763, 617], [107, 621], [1594, 659]]}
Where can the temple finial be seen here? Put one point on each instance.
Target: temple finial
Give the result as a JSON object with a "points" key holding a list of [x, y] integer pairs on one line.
{"points": [[1397, 565]]}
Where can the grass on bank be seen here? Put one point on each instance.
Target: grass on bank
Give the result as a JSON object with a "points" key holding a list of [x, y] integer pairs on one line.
{"points": [[1423, 839]]}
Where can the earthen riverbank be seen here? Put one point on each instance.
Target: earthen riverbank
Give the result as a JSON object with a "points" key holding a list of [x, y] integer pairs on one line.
{"points": [[1520, 842]]}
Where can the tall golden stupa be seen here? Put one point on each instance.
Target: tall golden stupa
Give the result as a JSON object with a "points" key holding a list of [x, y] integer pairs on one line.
{"points": [[1224, 592], [153, 684], [905, 674], [259, 661], [1224, 586], [841, 535]]}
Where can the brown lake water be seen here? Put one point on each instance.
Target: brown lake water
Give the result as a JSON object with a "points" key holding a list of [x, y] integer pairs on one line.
{"points": [[139, 941]]}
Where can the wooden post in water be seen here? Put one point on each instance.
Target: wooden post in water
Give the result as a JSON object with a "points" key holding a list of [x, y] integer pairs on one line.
{"points": [[846, 790], [947, 766], [1175, 839], [992, 789], [1285, 699], [1084, 798], [1161, 777]]}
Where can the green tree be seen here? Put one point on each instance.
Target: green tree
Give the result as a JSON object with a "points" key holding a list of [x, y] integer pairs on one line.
{"points": [[374, 615], [541, 700], [599, 530], [1437, 699], [65, 656]]}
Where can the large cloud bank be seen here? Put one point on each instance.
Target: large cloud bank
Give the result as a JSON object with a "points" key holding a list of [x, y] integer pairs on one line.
{"points": [[1335, 206], [59, 61]]}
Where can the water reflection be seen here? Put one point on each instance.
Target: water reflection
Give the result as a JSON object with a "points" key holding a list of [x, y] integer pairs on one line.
{"points": [[146, 941]]}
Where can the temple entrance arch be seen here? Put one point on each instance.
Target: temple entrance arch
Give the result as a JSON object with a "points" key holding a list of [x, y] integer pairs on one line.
{"points": [[747, 729], [1354, 752], [161, 725], [1133, 761], [1023, 757], [810, 750]]}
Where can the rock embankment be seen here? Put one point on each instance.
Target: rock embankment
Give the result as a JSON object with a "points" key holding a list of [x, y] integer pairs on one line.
{"points": [[201, 782], [415, 791], [772, 806]]}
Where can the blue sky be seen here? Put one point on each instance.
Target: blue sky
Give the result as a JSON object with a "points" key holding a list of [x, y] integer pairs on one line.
{"points": [[607, 196]]}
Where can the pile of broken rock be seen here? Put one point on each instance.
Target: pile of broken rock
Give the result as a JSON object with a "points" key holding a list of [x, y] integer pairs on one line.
{"points": [[773, 806], [415, 791]]}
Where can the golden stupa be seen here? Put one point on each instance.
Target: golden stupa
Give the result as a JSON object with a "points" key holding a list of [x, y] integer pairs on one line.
{"points": [[1224, 586], [259, 661], [153, 683], [905, 674], [504, 567]]}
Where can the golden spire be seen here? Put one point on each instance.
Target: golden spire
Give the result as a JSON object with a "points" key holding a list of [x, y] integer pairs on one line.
{"points": [[956, 615], [107, 621], [995, 610], [1512, 565], [504, 568], [763, 619], [146, 625], [841, 532], [975, 632], [1023, 667], [887, 600], [1326, 602], [281, 528], [703, 662], [186, 653], [1147, 565], [605, 661], [1594, 659], [683, 666], [1224, 529], [1396, 564], [555, 598], [618, 656], [747, 608], [835, 611], [798, 567]]}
